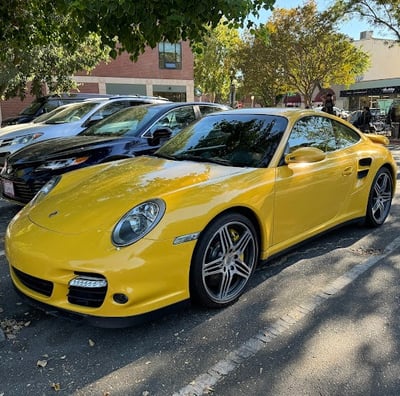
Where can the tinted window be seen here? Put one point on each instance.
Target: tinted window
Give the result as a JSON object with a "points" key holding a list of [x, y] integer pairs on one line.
{"points": [[206, 109], [345, 136], [176, 120], [235, 140], [320, 132]]}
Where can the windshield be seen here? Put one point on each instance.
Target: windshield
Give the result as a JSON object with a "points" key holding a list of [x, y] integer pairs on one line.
{"points": [[32, 108], [130, 121], [48, 115], [72, 113], [229, 139]]}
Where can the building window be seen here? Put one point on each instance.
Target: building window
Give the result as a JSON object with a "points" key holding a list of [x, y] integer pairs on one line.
{"points": [[170, 55]]}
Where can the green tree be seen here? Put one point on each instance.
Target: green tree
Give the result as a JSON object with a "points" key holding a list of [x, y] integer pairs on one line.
{"points": [[307, 52], [39, 47], [380, 13], [137, 24], [76, 34], [262, 73], [214, 65]]}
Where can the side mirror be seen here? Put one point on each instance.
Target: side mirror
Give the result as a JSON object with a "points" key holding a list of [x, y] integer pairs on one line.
{"points": [[160, 134], [305, 155]]}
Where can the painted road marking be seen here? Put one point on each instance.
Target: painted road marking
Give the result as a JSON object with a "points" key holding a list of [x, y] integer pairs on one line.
{"points": [[206, 381]]}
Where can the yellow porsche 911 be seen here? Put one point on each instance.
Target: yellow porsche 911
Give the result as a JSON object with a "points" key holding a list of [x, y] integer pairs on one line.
{"points": [[115, 242]]}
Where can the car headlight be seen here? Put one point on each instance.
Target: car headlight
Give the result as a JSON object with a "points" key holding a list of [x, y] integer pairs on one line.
{"points": [[138, 222], [45, 189], [26, 138], [61, 163]]}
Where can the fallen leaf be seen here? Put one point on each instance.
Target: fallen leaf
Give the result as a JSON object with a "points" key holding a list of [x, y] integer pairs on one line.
{"points": [[56, 386], [41, 363], [91, 343]]}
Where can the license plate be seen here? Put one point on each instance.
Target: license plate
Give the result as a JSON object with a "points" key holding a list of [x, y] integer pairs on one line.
{"points": [[8, 188]]}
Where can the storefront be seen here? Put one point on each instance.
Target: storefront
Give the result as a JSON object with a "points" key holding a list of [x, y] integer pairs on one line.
{"points": [[375, 94]]}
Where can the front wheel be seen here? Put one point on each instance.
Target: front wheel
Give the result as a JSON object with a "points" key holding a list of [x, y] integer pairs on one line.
{"points": [[380, 198], [223, 261]]}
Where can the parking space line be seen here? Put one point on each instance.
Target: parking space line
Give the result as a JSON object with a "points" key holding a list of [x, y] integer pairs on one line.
{"points": [[205, 382]]}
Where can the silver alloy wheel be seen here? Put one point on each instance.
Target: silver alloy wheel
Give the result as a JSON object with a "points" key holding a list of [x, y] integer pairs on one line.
{"points": [[228, 261], [380, 199]]}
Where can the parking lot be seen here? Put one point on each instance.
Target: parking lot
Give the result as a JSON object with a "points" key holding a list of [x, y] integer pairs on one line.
{"points": [[322, 319]]}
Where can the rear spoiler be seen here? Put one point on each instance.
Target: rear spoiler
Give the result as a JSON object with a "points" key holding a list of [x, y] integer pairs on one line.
{"points": [[380, 139]]}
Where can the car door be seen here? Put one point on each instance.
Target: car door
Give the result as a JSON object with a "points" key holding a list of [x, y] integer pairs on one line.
{"points": [[311, 196]]}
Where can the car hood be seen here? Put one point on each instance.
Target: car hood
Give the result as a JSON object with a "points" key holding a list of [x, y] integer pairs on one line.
{"points": [[49, 130], [19, 119], [97, 197], [60, 147], [13, 131]]}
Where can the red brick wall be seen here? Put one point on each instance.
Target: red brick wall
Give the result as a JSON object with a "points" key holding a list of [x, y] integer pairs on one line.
{"points": [[146, 66]]}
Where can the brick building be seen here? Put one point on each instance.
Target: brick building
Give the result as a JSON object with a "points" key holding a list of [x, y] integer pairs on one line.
{"points": [[166, 70]]}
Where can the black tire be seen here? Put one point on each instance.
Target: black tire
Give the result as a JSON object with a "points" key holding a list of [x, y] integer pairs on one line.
{"points": [[380, 198], [223, 261]]}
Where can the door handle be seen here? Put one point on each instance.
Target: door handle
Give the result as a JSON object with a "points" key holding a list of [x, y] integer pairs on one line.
{"points": [[347, 171]]}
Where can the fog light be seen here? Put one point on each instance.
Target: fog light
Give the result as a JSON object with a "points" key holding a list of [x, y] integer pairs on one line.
{"points": [[88, 282], [120, 298]]}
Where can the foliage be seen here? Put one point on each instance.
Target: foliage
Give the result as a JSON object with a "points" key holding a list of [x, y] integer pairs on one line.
{"points": [[306, 52], [39, 46], [262, 74], [47, 41], [137, 24], [214, 62], [380, 13]]}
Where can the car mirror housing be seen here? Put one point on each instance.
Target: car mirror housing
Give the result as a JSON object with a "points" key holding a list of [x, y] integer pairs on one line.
{"points": [[305, 155], [159, 134]]}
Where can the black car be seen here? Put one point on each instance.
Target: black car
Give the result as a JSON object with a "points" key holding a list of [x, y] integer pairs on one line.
{"points": [[130, 132]]}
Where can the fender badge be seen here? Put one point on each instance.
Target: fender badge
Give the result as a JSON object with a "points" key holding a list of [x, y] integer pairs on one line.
{"points": [[52, 214]]}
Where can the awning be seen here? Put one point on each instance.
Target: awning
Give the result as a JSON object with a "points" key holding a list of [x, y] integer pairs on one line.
{"points": [[292, 98], [320, 96]]}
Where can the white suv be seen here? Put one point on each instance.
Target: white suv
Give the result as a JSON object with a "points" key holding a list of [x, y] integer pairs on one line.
{"points": [[70, 121]]}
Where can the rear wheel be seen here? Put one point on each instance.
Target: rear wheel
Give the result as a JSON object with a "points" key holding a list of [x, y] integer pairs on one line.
{"points": [[380, 198], [223, 261]]}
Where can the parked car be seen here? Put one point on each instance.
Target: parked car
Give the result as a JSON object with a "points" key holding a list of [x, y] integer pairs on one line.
{"points": [[68, 122], [129, 132], [112, 243], [47, 103]]}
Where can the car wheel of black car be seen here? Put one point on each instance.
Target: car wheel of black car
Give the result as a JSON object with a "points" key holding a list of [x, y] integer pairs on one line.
{"points": [[380, 198], [223, 261]]}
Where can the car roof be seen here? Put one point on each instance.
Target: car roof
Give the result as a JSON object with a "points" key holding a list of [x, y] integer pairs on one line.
{"points": [[282, 111], [179, 104]]}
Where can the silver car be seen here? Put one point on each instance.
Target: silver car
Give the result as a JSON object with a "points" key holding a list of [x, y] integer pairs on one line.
{"points": [[70, 121]]}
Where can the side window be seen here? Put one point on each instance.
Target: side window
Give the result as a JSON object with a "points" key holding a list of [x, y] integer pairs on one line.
{"points": [[345, 136], [110, 108], [312, 132], [182, 117], [176, 119], [204, 109]]}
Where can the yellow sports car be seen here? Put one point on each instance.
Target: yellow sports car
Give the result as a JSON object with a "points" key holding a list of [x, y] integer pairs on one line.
{"points": [[113, 243]]}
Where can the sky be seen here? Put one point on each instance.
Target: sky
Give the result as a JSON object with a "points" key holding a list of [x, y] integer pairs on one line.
{"points": [[352, 28]]}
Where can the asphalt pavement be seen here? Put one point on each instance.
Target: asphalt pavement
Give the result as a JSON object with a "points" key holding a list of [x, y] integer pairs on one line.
{"points": [[322, 321]]}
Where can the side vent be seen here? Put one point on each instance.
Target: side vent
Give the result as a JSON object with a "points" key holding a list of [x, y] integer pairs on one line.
{"points": [[365, 161]]}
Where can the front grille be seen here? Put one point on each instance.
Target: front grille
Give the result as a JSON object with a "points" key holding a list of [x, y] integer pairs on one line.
{"points": [[23, 192], [87, 297], [36, 284]]}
